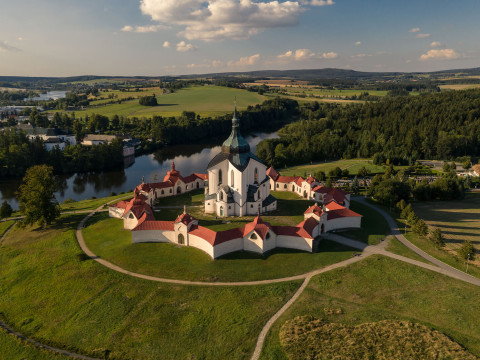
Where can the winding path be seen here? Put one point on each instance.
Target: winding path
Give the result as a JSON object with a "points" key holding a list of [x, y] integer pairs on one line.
{"points": [[367, 250]]}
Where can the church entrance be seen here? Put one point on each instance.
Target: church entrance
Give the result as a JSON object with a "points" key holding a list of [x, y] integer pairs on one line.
{"points": [[181, 239], [179, 190], [305, 194], [221, 210]]}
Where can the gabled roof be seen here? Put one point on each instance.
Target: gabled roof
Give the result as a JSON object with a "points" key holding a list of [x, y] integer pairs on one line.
{"points": [[137, 206], [287, 179], [121, 204], [272, 173], [299, 181], [184, 218], [341, 213], [311, 180], [192, 177], [332, 205], [476, 168], [259, 226], [240, 160], [314, 209], [331, 194], [213, 237], [154, 225]]}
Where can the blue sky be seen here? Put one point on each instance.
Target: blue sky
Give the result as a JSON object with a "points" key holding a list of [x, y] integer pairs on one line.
{"points": [[163, 37]]}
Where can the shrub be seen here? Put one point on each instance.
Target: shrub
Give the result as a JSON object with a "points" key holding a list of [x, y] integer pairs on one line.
{"points": [[5, 210], [466, 251], [69, 201]]}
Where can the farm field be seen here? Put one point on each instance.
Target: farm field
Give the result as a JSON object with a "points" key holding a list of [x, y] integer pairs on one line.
{"points": [[459, 86], [459, 220], [380, 288], [205, 100], [353, 166], [85, 307]]}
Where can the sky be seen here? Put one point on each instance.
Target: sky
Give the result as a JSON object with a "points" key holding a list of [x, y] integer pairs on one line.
{"points": [[174, 37]]}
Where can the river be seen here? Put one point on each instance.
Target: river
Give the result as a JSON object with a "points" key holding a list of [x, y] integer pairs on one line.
{"points": [[81, 186], [54, 95]]}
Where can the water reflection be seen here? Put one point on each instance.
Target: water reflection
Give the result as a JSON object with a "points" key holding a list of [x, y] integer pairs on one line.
{"points": [[187, 158]]}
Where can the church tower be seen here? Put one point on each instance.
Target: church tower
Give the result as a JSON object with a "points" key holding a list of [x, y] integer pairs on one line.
{"points": [[237, 180]]}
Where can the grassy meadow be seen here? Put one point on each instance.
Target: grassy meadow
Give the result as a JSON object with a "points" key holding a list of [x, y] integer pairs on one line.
{"points": [[380, 288], [205, 100], [352, 165], [50, 293]]}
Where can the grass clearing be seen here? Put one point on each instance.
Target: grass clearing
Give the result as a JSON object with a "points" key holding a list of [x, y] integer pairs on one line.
{"points": [[83, 306], [379, 288], [353, 166], [5, 225], [92, 204], [207, 100], [398, 248], [106, 238]]}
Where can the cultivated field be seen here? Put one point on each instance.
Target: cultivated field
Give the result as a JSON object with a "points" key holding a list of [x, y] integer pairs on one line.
{"points": [[459, 86], [204, 100]]}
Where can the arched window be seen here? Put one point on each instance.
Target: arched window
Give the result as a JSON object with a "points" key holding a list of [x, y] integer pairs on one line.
{"points": [[170, 191], [163, 192], [179, 190], [198, 184], [285, 186], [220, 177], [232, 178], [221, 195], [267, 236], [181, 239], [255, 176]]}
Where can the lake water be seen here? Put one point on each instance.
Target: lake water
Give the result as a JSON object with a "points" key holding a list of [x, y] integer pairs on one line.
{"points": [[55, 95], [188, 159]]}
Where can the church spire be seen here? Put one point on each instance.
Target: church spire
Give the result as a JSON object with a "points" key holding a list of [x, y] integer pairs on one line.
{"points": [[235, 143]]}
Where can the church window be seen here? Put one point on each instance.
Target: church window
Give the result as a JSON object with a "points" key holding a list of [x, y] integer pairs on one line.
{"points": [[181, 239], [268, 236], [285, 186], [221, 195], [170, 191], [254, 236], [278, 185], [255, 175], [198, 184], [229, 207], [186, 187], [220, 177], [251, 206], [232, 176]]}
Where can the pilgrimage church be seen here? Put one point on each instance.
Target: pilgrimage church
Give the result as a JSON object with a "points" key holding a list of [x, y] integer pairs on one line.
{"points": [[237, 184]]}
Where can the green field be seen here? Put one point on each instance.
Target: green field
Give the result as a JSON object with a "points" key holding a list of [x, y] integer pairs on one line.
{"points": [[205, 100], [398, 248], [92, 204], [352, 165], [4, 226], [380, 288], [50, 293]]}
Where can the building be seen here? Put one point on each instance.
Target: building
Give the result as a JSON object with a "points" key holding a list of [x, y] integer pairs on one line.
{"points": [[51, 137], [173, 184], [237, 180], [93, 140], [309, 188]]}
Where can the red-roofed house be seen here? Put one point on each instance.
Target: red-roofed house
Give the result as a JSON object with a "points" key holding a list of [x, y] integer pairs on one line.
{"points": [[132, 212]]}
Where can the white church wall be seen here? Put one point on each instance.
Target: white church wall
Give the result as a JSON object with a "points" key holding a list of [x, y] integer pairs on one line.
{"points": [[227, 247], [343, 223], [294, 242], [115, 212], [150, 236], [270, 242], [253, 245], [199, 243]]}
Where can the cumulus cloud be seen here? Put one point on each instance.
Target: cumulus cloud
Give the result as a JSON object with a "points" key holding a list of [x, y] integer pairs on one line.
{"points": [[182, 46], [305, 54], [144, 29], [422, 36], [221, 19], [358, 43], [4, 47], [414, 30], [245, 61], [166, 44], [321, 2], [441, 54], [435, 44]]}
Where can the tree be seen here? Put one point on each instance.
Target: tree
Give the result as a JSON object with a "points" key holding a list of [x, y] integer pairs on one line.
{"points": [[466, 251], [36, 195], [446, 167], [437, 238], [467, 164], [420, 227], [148, 100], [5, 210]]}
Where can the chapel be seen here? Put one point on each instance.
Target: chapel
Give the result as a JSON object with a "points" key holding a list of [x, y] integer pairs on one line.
{"points": [[237, 181]]}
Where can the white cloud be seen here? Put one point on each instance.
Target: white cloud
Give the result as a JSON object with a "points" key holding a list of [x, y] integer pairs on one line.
{"points": [[183, 46], [360, 56], [245, 61], [435, 44], [414, 30], [441, 54], [144, 29], [4, 47], [206, 65], [221, 19], [422, 36], [166, 44], [305, 54], [321, 2], [357, 43]]}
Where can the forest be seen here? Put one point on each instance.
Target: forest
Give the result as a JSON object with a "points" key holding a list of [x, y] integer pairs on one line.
{"points": [[402, 129]]}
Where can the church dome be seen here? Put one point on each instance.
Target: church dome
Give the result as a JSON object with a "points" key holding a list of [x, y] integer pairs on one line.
{"points": [[235, 144]]}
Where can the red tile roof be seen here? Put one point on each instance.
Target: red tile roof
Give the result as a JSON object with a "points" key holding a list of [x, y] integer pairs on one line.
{"points": [[192, 177], [315, 209], [341, 213], [331, 194], [287, 179], [260, 227], [299, 181], [184, 218], [173, 175], [121, 204], [332, 205], [215, 238], [154, 225], [138, 207], [272, 173], [311, 180]]}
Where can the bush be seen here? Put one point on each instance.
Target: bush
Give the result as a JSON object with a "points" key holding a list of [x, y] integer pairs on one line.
{"points": [[113, 193], [148, 100], [93, 198], [437, 238], [5, 210], [466, 251], [69, 201]]}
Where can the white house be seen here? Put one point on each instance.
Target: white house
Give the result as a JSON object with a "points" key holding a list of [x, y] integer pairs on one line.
{"points": [[237, 180]]}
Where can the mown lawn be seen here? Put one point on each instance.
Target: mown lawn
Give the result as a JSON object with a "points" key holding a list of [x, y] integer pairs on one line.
{"points": [[50, 293], [107, 239], [380, 288], [352, 165], [205, 100], [92, 204], [398, 248], [13, 349]]}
